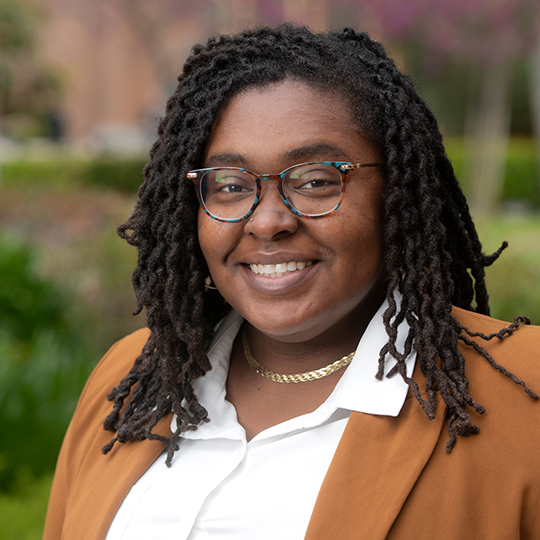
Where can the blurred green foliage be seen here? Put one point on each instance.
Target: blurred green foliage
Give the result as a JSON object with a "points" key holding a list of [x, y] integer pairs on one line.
{"points": [[124, 175], [44, 363], [451, 88], [514, 279], [30, 89], [17, 26], [22, 512], [522, 182], [522, 172], [29, 305], [521, 175]]}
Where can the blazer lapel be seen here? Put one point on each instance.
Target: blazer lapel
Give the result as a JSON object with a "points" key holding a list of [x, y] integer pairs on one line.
{"points": [[373, 471]]}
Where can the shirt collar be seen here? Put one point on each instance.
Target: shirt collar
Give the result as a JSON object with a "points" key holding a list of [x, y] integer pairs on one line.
{"points": [[358, 389]]}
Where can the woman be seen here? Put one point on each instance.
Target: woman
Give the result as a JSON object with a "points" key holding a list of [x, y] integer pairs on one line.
{"points": [[302, 242]]}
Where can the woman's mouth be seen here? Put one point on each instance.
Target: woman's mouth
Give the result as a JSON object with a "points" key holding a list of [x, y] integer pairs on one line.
{"points": [[280, 269]]}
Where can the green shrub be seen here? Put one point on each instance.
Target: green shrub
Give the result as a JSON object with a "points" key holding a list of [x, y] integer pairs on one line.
{"points": [[28, 305], [56, 174], [521, 175], [522, 178], [43, 366], [514, 279], [125, 175]]}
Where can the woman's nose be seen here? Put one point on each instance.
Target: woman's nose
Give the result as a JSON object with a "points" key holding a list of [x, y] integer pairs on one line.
{"points": [[271, 217]]}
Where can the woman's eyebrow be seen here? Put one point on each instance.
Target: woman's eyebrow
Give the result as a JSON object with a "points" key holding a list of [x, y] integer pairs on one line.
{"points": [[224, 160], [313, 151], [302, 153]]}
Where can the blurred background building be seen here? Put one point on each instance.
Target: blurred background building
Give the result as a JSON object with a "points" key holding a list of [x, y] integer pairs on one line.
{"points": [[117, 60]]}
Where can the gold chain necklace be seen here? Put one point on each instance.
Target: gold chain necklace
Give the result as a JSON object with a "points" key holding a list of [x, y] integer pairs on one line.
{"points": [[297, 377]]}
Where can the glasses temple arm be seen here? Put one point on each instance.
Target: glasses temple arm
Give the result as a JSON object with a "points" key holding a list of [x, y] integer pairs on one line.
{"points": [[351, 166]]}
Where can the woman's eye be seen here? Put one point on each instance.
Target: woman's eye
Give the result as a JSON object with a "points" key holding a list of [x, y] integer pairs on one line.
{"points": [[231, 183], [228, 187], [232, 188], [313, 178], [313, 184], [316, 182]]}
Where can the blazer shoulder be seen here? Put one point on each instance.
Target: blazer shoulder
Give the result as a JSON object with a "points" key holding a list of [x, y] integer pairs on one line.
{"points": [[93, 406], [473, 319], [516, 352], [525, 336], [117, 361]]}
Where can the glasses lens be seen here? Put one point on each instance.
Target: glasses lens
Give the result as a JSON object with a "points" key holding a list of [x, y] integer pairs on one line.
{"points": [[228, 193], [313, 188]]}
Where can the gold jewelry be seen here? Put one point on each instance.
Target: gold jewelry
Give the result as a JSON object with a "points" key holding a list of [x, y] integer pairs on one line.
{"points": [[297, 377], [208, 285]]}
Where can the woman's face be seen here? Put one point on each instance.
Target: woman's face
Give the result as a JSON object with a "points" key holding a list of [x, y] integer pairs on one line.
{"points": [[266, 130]]}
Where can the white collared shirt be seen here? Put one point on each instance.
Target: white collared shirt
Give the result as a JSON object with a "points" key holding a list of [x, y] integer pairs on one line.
{"points": [[221, 486]]}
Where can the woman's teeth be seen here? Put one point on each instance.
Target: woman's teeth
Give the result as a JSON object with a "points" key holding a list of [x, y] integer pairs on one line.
{"points": [[278, 270]]}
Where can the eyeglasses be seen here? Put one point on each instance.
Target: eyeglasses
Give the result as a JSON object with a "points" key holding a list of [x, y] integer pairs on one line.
{"points": [[311, 190]]}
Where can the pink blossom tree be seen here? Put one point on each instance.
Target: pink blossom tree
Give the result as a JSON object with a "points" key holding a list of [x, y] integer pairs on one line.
{"points": [[491, 35]]}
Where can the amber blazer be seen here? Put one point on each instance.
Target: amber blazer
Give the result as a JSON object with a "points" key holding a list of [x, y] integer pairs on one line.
{"points": [[390, 477]]}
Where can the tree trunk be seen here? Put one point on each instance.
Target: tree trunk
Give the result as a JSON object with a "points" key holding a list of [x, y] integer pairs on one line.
{"points": [[535, 101], [486, 140]]}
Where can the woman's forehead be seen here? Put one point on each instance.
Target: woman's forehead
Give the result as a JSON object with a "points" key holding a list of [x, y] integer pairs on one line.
{"points": [[291, 119]]}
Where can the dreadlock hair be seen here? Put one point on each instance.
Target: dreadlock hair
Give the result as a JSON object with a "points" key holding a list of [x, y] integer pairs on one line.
{"points": [[432, 252]]}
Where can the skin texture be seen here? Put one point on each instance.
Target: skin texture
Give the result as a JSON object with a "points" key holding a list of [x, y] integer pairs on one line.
{"points": [[311, 317]]}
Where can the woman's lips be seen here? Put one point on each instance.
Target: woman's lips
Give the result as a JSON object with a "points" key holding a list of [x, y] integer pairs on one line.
{"points": [[280, 269], [279, 283]]}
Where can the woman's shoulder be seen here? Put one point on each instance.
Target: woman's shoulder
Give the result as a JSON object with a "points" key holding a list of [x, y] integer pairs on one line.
{"points": [[511, 350], [110, 370], [125, 348], [118, 360], [484, 322], [93, 407], [501, 337]]}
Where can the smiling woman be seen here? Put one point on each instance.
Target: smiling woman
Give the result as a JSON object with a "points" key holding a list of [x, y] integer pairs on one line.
{"points": [[302, 175]]}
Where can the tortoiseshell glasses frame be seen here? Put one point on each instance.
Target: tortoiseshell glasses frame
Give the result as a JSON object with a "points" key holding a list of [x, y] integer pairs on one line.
{"points": [[241, 189]]}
